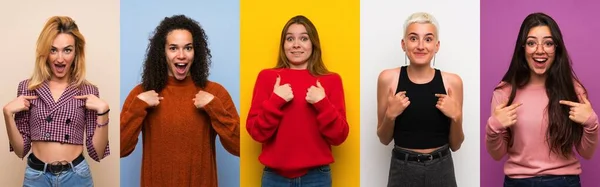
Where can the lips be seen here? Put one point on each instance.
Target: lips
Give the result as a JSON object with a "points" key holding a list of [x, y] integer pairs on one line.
{"points": [[540, 62]]}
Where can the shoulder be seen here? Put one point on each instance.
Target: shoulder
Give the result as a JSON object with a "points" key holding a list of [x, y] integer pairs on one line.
{"points": [[451, 78], [389, 75], [579, 88], [23, 84], [88, 88], [503, 89], [214, 86]]}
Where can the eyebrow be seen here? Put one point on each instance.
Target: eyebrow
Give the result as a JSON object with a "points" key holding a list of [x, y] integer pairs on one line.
{"points": [[542, 37], [69, 46], [175, 45], [428, 34], [293, 33]]}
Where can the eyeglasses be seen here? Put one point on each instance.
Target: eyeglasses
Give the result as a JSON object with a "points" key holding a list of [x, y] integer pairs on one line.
{"points": [[547, 46]]}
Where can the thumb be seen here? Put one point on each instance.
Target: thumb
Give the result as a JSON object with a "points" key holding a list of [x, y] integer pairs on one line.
{"points": [[501, 105], [81, 96], [391, 93], [277, 81], [449, 91], [30, 97], [319, 84], [584, 99]]}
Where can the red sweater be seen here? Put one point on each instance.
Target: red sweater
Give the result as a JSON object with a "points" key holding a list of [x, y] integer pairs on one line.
{"points": [[297, 136]]}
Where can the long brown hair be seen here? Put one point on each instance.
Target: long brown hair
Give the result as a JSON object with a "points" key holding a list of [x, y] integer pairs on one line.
{"points": [[562, 133], [315, 63]]}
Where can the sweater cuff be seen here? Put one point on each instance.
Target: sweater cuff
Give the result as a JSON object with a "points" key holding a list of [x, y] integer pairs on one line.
{"points": [[591, 122], [138, 106], [323, 105], [276, 101], [495, 125]]}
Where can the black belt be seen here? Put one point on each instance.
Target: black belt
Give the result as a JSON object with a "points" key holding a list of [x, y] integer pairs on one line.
{"points": [[420, 157], [56, 167]]}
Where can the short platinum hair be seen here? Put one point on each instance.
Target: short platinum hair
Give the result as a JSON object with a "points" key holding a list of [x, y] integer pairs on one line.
{"points": [[422, 17]]}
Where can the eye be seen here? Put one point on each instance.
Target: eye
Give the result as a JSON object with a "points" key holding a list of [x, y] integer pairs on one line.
{"points": [[68, 50], [172, 48], [428, 39], [53, 50], [189, 48], [289, 39], [549, 44], [412, 38], [530, 44], [305, 39]]}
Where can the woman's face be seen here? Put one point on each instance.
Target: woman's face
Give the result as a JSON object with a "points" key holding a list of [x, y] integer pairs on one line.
{"points": [[179, 51], [540, 50], [420, 43], [297, 46], [62, 54]]}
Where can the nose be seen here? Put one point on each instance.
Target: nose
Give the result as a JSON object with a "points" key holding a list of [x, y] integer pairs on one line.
{"points": [[420, 45], [539, 49], [296, 44], [180, 55], [60, 58]]}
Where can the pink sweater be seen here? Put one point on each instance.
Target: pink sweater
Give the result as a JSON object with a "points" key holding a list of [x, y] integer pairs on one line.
{"points": [[530, 155]]}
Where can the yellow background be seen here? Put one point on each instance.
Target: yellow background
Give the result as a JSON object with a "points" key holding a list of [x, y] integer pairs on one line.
{"points": [[337, 22]]}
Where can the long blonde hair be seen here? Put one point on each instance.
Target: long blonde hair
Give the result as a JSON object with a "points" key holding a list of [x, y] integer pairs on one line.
{"points": [[42, 72]]}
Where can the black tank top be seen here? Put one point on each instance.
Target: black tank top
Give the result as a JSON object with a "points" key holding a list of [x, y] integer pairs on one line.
{"points": [[421, 125]]}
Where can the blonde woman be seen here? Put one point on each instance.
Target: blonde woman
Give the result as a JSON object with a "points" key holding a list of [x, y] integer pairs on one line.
{"points": [[420, 109], [55, 109]]}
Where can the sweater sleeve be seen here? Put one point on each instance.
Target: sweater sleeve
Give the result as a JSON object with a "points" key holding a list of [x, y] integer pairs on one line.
{"points": [[224, 119], [132, 118], [22, 120], [496, 136], [589, 140], [265, 110], [331, 115]]}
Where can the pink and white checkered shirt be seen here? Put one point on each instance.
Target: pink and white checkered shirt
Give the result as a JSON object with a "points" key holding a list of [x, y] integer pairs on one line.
{"points": [[64, 121]]}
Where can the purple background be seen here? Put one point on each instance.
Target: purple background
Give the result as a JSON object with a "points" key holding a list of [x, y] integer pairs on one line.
{"points": [[579, 22]]}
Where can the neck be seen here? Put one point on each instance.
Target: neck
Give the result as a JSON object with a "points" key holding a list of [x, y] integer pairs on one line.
{"points": [[60, 81], [536, 80], [420, 71], [299, 66]]}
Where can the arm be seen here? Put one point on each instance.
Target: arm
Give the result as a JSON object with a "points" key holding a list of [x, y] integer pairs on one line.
{"points": [[589, 140], [225, 120], [96, 137], [496, 136], [385, 123], [457, 135], [265, 111], [331, 116], [18, 127], [132, 118]]}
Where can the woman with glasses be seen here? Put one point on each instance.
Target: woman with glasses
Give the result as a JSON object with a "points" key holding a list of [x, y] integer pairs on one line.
{"points": [[540, 112]]}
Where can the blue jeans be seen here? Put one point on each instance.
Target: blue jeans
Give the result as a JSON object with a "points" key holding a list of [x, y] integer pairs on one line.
{"points": [[544, 181], [317, 177], [79, 175]]}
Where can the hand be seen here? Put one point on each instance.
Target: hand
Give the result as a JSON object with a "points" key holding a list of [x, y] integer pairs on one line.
{"points": [[315, 94], [580, 112], [396, 103], [283, 91], [19, 104], [448, 105], [93, 103], [506, 115], [202, 99], [150, 97]]}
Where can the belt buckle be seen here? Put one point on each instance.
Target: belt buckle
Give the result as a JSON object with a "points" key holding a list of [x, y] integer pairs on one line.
{"points": [[58, 167], [427, 157]]}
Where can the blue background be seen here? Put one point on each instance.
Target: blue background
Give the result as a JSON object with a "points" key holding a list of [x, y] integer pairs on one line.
{"points": [[220, 20]]}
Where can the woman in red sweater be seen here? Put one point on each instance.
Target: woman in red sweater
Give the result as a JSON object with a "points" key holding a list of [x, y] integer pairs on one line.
{"points": [[298, 111]]}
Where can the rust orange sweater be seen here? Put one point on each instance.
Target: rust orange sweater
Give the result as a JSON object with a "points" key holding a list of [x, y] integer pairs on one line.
{"points": [[178, 138]]}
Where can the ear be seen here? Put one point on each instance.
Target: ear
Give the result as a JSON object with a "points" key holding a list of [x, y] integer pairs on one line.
{"points": [[403, 45], [437, 46]]}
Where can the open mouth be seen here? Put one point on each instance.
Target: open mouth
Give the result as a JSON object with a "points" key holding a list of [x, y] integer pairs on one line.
{"points": [[181, 67], [60, 68], [297, 52], [540, 60]]}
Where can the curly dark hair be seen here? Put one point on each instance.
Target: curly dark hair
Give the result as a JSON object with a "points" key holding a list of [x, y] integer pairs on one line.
{"points": [[155, 73]]}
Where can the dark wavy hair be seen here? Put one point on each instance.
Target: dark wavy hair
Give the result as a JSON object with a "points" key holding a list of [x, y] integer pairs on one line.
{"points": [[155, 73], [562, 133]]}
